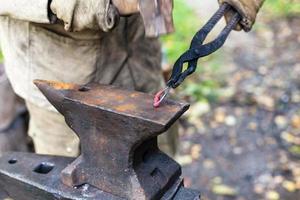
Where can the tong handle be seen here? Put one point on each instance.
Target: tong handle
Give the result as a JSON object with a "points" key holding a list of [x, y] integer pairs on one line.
{"points": [[198, 49]]}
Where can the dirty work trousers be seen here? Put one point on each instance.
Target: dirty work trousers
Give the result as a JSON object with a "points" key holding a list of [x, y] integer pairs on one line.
{"points": [[12, 125]]}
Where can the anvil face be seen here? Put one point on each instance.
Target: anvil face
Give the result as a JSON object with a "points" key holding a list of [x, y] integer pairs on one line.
{"points": [[128, 104]]}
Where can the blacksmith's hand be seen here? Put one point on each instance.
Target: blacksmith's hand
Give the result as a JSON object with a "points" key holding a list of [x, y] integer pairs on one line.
{"points": [[79, 15], [126, 7], [248, 9]]}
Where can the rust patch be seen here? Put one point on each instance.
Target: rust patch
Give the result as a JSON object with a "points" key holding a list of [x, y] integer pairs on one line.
{"points": [[57, 85], [126, 108]]}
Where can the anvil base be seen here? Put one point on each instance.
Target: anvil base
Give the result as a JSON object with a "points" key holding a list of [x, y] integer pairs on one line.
{"points": [[26, 176]]}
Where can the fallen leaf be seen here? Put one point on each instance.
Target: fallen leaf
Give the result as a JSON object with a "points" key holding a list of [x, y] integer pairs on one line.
{"points": [[220, 116], [259, 189], [237, 150], [287, 137], [272, 195], [224, 190], [252, 126], [196, 151], [297, 184], [230, 120], [266, 101], [198, 109], [208, 164], [289, 186], [296, 121], [295, 149], [281, 121], [217, 180], [263, 70], [296, 172], [295, 97]]}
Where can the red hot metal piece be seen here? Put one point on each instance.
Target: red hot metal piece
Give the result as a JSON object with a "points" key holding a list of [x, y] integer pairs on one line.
{"points": [[160, 97]]}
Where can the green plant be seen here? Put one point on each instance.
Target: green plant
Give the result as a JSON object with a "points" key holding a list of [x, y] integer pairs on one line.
{"points": [[187, 23], [282, 8], [205, 90], [1, 57]]}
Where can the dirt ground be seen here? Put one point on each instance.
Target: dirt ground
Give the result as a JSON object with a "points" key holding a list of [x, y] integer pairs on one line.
{"points": [[247, 145]]}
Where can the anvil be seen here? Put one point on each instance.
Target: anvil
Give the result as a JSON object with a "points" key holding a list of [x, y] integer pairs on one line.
{"points": [[119, 159]]}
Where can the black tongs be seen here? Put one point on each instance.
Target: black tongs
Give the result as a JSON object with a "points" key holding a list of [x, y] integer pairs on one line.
{"points": [[198, 50]]}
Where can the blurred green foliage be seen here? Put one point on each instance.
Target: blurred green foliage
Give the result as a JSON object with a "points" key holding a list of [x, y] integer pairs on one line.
{"points": [[1, 57], [205, 84], [187, 23], [282, 8], [295, 149], [204, 91]]}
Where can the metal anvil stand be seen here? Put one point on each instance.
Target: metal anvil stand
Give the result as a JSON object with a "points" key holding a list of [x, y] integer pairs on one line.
{"points": [[119, 158]]}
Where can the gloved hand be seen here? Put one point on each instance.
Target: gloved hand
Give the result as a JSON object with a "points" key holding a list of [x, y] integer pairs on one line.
{"points": [[248, 9], [78, 15], [127, 6]]}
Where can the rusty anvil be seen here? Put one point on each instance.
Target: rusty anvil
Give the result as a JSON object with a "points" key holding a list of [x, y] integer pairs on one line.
{"points": [[157, 16], [119, 159]]}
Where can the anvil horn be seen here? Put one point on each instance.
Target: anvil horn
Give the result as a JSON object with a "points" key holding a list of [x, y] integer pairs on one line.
{"points": [[54, 92]]}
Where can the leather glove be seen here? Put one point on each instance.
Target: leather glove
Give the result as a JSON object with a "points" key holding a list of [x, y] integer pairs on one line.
{"points": [[79, 15], [248, 9]]}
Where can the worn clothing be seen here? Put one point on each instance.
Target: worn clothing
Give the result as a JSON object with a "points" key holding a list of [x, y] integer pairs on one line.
{"points": [[27, 10], [248, 9], [10, 104], [75, 14], [50, 133], [12, 123], [14, 138]]}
